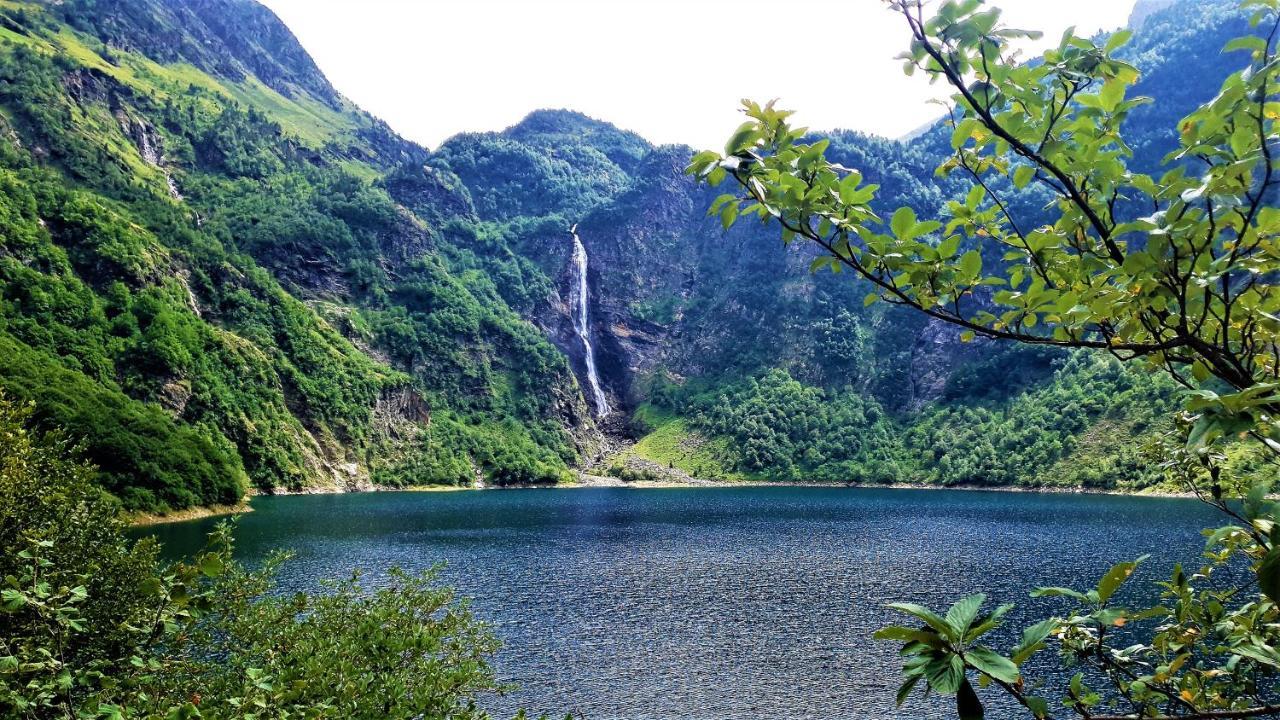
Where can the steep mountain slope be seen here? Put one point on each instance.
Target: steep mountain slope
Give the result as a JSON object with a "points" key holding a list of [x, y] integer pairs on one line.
{"points": [[216, 273], [736, 360], [205, 279]]}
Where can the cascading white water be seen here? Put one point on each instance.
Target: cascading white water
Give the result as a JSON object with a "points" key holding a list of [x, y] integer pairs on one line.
{"points": [[582, 323]]}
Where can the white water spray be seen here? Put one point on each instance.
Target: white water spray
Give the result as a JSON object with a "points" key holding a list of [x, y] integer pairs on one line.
{"points": [[582, 323]]}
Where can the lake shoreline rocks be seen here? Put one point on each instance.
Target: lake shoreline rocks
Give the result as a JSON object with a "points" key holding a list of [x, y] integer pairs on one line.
{"points": [[143, 519]]}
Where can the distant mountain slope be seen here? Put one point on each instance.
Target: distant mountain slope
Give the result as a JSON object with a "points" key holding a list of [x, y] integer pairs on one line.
{"points": [[229, 39], [554, 162], [217, 273], [706, 331]]}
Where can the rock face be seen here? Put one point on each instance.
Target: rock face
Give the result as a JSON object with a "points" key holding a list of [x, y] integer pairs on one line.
{"points": [[935, 354], [231, 39], [675, 296]]}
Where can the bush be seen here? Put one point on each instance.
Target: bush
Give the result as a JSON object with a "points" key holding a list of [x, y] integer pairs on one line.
{"points": [[93, 625]]}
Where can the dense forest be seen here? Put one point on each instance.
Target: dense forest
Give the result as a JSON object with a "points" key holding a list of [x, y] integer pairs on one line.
{"points": [[218, 274]]}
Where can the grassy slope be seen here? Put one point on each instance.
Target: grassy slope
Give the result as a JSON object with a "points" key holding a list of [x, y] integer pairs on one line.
{"points": [[669, 441], [272, 385]]}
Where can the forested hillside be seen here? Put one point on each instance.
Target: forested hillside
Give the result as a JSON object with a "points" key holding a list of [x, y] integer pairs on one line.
{"points": [[210, 274], [216, 273], [738, 361]]}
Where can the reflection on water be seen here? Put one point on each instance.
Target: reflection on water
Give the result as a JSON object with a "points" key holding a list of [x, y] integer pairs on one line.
{"points": [[715, 603]]}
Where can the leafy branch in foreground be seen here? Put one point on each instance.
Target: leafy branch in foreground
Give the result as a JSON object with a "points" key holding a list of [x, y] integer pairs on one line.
{"points": [[93, 625], [1175, 271]]}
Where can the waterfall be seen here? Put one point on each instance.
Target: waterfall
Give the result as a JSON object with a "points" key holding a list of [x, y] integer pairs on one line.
{"points": [[582, 322]]}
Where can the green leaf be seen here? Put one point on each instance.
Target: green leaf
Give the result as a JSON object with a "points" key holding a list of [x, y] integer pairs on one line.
{"points": [[1252, 43], [993, 664], [948, 248], [962, 614], [963, 131], [987, 623], [728, 215], [925, 228], [1059, 592], [1255, 501], [12, 600], [702, 163], [1115, 577], [945, 674], [1269, 575], [902, 223], [211, 565], [968, 706], [925, 615], [1265, 655], [971, 264], [1033, 640], [1038, 706], [1117, 40], [744, 137], [905, 689], [906, 634], [1022, 176], [1112, 94]]}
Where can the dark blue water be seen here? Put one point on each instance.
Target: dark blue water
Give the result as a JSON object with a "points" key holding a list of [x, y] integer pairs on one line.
{"points": [[716, 603]]}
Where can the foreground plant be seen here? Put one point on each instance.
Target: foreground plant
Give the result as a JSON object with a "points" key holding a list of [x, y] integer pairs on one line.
{"points": [[1175, 271], [95, 626]]}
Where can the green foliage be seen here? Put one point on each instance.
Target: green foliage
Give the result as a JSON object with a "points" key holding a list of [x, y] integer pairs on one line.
{"points": [[1084, 425], [192, 326], [459, 451], [778, 428], [675, 443], [1164, 269], [94, 626], [783, 430], [554, 162], [144, 457], [50, 507], [1174, 270]]}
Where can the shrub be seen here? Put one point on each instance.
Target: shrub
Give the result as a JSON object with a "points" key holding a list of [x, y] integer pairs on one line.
{"points": [[93, 625]]}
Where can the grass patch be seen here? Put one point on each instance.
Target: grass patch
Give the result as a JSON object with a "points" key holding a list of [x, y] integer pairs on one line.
{"points": [[308, 120], [669, 441]]}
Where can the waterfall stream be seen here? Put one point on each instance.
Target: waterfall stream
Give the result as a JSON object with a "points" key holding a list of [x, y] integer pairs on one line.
{"points": [[582, 322]]}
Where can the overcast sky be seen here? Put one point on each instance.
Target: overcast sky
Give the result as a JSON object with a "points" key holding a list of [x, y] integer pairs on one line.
{"points": [[672, 70]]}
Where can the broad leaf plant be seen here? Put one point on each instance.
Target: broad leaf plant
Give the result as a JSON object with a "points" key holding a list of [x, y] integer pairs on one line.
{"points": [[1175, 270]]}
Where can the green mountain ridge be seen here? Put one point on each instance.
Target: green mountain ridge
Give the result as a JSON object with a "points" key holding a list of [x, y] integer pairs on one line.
{"points": [[195, 277], [217, 273]]}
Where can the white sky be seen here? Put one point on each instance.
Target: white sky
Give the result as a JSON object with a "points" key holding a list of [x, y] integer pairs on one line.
{"points": [[672, 70]]}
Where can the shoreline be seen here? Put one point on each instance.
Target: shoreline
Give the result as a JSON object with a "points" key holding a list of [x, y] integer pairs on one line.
{"points": [[145, 519], [586, 480], [604, 481]]}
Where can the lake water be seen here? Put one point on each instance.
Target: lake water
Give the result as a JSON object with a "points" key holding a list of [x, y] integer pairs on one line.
{"points": [[753, 602]]}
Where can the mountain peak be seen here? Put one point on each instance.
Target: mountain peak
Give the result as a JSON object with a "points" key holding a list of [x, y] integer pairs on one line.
{"points": [[1144, 9], [231, 39], [563, 122], [553, 127]]}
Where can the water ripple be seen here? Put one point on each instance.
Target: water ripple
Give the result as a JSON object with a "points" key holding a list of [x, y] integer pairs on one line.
{"points": [[715, 603]]}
